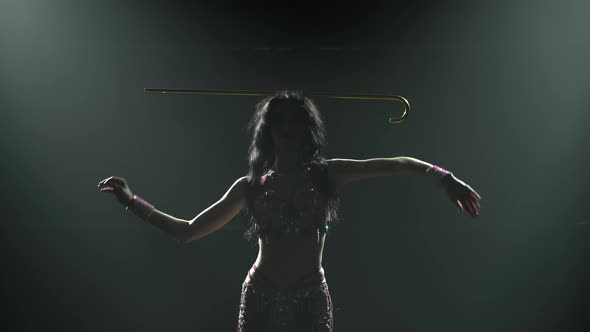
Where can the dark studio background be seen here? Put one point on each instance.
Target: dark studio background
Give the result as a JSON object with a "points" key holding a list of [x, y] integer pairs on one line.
{"points": [[499, 95]]}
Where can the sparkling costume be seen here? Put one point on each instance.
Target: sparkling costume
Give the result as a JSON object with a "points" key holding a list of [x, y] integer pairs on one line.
{"points": [[268, 203], [306, 304]]}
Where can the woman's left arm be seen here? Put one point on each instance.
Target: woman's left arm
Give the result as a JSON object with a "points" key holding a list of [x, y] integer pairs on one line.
{"points": [[344, 171]]}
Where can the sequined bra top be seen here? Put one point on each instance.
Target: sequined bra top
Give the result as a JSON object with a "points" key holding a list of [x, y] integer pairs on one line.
{"points": [[303, 214]]}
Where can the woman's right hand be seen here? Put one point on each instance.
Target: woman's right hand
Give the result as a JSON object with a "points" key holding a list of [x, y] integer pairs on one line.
{"points": [[118, 186]]}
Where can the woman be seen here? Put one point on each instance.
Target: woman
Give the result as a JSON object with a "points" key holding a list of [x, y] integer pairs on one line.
{"points": [[290, 196]]}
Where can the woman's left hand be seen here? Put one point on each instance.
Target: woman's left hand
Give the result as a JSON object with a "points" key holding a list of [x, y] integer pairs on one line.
{"points": [[462, 195]]}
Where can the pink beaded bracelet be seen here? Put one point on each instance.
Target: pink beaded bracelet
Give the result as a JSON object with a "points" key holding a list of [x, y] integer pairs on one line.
{"points": [[437, 171], [140, 207]]}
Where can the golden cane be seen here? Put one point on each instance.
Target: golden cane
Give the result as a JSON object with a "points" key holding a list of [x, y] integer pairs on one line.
{"points": [[400, 99]]}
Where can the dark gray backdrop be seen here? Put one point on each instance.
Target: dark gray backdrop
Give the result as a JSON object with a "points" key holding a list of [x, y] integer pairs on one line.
{"points": [[499, 92]]}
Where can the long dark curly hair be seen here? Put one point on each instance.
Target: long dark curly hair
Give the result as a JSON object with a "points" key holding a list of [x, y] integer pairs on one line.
{"points": [[261, 153]]}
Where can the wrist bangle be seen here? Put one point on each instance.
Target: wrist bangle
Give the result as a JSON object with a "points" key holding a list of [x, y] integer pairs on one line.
{"points": [[437, 172], [140, 207]]}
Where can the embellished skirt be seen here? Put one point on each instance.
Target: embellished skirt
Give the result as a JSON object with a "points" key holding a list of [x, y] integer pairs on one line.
{"points": [[304, 306]]}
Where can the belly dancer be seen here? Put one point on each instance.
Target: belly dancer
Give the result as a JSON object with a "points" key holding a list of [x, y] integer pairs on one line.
{"points": [[291, 197]]}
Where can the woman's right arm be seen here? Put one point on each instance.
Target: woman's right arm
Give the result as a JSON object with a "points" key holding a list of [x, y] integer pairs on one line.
{"points": [[218, 214], [206, 222]]}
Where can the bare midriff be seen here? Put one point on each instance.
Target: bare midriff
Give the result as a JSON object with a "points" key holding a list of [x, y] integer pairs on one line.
{"points": [[290, 258]]}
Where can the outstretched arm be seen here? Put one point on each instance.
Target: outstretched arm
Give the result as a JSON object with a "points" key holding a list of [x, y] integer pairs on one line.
{"points": [[209, 220], [206, 222], [218, 214], [344, 171]]}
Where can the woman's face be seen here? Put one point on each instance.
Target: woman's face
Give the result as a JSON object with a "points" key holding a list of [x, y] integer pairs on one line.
{"points": [[287, 123]]}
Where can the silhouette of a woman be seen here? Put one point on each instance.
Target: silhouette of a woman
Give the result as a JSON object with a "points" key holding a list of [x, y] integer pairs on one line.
{"points": [[290, 196]]}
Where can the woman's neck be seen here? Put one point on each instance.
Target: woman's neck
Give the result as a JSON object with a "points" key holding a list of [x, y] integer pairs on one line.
{"points": [[289, 165]]}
